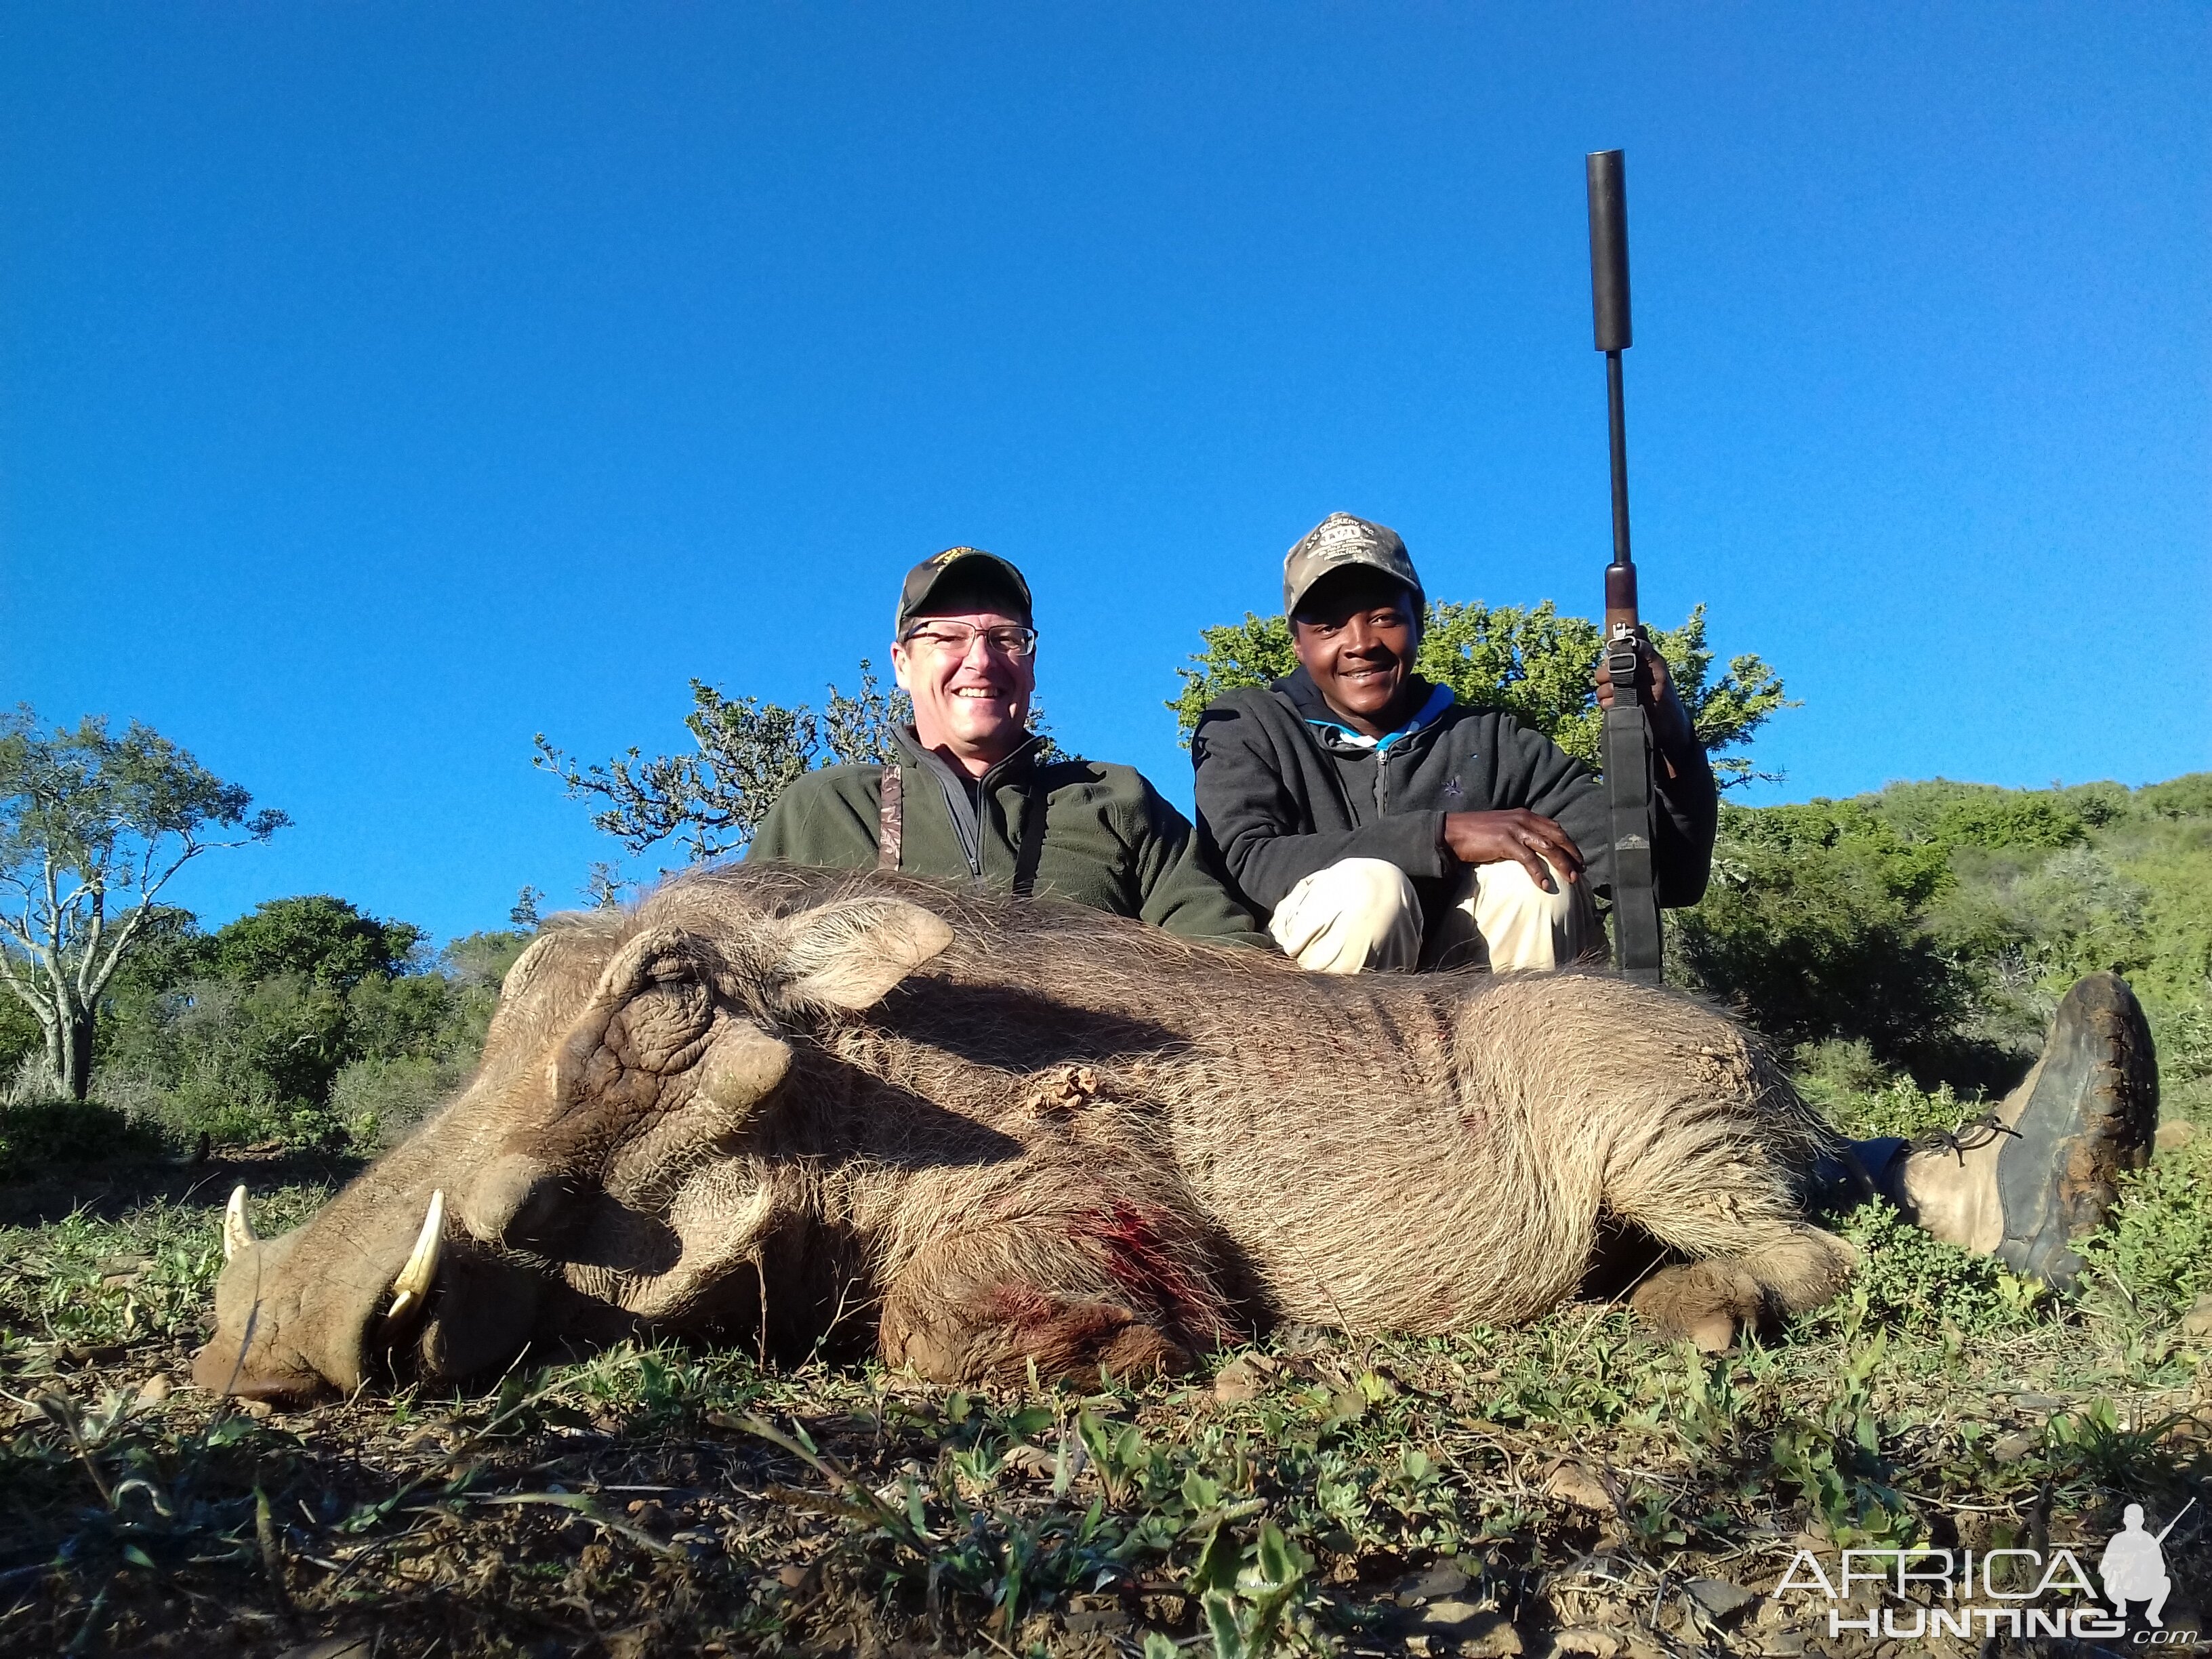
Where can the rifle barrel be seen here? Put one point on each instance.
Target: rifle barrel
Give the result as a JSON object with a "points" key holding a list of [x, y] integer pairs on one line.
{"points": [[1607, 174], [2176, 1522]]}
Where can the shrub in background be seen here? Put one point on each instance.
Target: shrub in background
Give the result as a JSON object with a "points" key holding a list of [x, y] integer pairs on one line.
{"points": [[305, 1022], [1933, 926]]}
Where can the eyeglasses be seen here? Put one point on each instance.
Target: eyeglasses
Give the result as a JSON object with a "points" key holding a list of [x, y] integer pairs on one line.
{"points": [[956, 637]]}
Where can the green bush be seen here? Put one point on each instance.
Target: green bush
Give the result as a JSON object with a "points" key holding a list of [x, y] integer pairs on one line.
{"points": [[2157, 1250], [1908, 1281], [1935, 926], [2189, 796], [1813, 929], [244, 1034], [376, 1099], [1892, 1106]]}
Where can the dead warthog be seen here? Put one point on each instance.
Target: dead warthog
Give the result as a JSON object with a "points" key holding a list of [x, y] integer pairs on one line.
{"points": [[773, 1105]]}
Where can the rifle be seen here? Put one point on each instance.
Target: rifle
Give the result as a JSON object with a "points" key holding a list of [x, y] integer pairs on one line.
{"points": [[1627, 737]]}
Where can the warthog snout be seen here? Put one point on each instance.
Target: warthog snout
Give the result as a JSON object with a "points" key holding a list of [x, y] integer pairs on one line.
{"points": [[405, 1302], [593, 1171]]}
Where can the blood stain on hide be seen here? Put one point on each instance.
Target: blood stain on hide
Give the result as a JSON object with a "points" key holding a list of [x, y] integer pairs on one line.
{"points": [[1148, 1260]]}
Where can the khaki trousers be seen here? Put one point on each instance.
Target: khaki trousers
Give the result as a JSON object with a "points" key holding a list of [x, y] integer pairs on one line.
{"points": [[1360, 913]]}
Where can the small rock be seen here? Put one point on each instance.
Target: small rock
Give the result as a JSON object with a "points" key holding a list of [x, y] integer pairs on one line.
{"points": [[1440, 1583], [1489, 1636], [2043, 1405], [2197, 1323], [332, 1647], [1449, 1613], [1718, 1597], [1600, 1643], [259, 1410], [1030, 1462], [790, 1577], [2011, 1447], [1577, 1484], [1472, 1630], [154, 1390], [1245, 1377], [1087, 1620], [1784, 1645], [2173, 1137]]}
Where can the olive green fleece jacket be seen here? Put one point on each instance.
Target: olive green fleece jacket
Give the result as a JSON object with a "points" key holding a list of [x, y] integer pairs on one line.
{"points": [[1110, 841]]}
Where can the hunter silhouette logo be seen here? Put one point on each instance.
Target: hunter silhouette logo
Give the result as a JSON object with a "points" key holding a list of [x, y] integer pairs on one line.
{"points": [[2021, 1592], [2133, 1566]]}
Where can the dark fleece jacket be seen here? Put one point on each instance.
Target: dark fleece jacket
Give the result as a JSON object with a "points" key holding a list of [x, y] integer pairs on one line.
{"points": [[1283, 790]]}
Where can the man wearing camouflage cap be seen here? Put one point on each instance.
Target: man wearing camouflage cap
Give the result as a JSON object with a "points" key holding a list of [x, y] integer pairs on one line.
{"points": [[972, 796], [1380, 823]]}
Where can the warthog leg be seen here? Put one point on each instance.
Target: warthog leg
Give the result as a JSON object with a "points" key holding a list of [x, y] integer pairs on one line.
{"points": [[1702, 1188], [989, 1301]]}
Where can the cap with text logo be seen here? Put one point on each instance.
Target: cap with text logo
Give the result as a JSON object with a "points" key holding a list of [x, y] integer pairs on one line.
{"points": [[1338, 542], [969, 574]]}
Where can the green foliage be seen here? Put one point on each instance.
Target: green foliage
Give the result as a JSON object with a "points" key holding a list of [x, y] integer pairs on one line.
{"points": [[1908, 1281], [305, 1022], [483, 959], [1529, 661], [316, 937], [1935, 925], [20, 1034], [2158, 1250], [2189, 796], [1812, 927], [749, 752], [1867, 1106], [1947, 815]]}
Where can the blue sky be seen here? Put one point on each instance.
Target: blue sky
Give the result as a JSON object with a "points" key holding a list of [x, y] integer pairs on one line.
{"points": [[380, 386]]}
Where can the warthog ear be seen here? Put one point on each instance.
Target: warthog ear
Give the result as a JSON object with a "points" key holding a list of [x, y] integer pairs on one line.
{"points": [[851, 953]]}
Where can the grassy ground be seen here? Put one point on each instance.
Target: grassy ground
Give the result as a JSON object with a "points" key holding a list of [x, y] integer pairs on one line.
{"points": [[1571, 1487]]}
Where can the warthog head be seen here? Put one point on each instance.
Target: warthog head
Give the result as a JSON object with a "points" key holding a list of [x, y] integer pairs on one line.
{"points": [[593, 1173]]}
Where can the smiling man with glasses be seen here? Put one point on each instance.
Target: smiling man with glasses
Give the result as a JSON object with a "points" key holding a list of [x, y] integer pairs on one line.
{"points": [[973, 796]]}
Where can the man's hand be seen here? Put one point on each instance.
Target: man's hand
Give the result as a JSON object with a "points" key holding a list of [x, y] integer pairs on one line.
{"points": [[1655, 689], [1514, 836]]}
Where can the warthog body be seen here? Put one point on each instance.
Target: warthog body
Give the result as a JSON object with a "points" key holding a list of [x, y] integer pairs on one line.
{"points": [[771, 1103]]}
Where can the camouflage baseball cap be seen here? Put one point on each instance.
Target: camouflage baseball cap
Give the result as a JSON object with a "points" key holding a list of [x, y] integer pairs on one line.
{"points": [[977, 568], [1340, 540]]}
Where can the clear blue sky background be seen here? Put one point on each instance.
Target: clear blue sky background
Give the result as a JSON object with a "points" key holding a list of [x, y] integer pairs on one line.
{"points": [[380, 386]]}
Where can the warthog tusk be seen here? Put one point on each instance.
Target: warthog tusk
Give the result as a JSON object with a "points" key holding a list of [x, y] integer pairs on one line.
{"points": [[422, 1269], [237, 1231]]}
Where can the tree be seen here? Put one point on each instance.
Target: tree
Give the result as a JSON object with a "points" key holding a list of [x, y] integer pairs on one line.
{"points": [[1534, 663], [315, 935], [92, 828], [749, 752]]}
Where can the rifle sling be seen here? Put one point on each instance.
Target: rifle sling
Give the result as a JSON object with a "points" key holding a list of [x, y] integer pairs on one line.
{"points": [[890, 818], [890, 828], [1628, 791]]}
